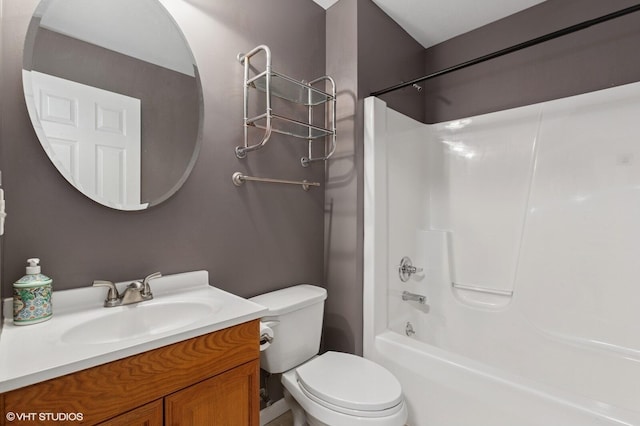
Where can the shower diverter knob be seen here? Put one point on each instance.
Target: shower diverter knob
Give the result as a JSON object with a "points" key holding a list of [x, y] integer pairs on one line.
{"points": [[406, 269]]}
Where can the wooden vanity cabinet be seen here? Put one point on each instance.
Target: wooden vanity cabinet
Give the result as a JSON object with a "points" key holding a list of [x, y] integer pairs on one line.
{"points": [[151, 414], [208, 380], [221, 400]]}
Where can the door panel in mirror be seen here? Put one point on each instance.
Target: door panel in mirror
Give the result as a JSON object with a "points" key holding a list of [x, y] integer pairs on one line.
{"points": [[129, 49]]}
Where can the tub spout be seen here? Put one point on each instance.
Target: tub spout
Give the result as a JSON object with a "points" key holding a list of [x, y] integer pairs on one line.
{"points": [[414, 297]]}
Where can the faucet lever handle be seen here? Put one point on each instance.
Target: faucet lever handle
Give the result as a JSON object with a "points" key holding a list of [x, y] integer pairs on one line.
{"points": [[151, 277], [146, 289], [112, 296]]}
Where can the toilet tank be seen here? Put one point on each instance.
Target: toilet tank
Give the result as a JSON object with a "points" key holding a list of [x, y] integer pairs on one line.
{"points": [[295, 315]]}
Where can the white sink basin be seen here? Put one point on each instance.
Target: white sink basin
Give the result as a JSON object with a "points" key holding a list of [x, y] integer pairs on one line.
{"points": [[134, 321], [83, 333]]}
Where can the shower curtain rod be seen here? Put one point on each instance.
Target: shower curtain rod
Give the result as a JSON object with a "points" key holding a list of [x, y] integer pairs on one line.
{"points": [[514, 48]]}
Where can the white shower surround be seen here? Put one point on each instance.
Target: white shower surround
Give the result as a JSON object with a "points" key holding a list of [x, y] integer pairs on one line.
{"points": [[542, 202]]}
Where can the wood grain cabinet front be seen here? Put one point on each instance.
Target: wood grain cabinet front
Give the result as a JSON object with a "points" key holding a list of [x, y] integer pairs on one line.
{"points": [[151, 414], [208, 380], [224, 400]]}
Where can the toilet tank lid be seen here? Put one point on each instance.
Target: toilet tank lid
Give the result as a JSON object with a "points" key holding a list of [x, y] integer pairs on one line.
{"points": [[290, 299]]}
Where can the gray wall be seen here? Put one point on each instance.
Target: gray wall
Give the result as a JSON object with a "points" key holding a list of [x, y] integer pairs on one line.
{"points": [[251, 239], [388, 55], [343, 310], [366, 50], [1, 127], [601, 56]]}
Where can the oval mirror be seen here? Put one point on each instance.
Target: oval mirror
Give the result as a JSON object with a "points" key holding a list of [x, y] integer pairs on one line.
{"points": [[114, 96]]}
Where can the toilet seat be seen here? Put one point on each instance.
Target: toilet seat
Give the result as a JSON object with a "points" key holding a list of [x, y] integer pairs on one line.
{"points": [[348, 411], [350, 384]]}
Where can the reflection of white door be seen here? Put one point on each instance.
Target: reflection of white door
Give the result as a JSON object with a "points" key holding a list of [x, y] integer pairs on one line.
{"points": [[93, 138]]}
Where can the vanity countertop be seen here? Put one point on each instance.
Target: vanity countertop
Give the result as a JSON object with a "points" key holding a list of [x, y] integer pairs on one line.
{"points": [[82, 333]]}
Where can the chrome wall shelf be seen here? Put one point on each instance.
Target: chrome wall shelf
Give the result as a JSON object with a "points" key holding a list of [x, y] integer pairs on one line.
{"points": [[308, 94], [289, 127], [292, 90]]}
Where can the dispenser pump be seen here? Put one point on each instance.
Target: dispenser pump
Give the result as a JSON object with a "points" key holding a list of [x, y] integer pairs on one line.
{"points": [[34, 267]]}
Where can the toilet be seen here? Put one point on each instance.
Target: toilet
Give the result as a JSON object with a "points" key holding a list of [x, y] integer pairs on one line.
{"points": [[334, 389]]}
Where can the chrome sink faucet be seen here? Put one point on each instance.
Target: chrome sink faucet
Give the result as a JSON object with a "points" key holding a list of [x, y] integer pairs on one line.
{"points": [[134, 293]]}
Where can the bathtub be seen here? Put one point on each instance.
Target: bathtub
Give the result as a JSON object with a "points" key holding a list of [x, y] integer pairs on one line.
{"points": [[444, 388], [540, 327]]}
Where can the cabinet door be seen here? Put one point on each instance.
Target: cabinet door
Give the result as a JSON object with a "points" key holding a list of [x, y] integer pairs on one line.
{"points": [[147, 415], [229, 399]]}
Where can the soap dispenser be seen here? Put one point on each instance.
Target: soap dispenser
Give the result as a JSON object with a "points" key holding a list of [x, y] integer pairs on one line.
{"points": [[32, 296]]}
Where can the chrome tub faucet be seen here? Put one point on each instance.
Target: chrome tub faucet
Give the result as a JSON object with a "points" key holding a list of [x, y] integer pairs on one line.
{"points": [[414, 297]]}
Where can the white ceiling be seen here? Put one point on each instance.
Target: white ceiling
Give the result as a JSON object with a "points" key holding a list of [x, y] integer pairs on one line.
{"points": [[433, 21]]}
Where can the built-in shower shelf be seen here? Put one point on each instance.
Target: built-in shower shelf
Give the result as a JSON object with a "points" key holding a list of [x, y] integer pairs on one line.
{"points": [[482, 297], [480, 289], [289, 89]]}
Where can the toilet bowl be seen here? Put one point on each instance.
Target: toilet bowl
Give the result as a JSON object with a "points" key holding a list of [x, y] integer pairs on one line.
{"points": [[334, 389], [339, 389]]}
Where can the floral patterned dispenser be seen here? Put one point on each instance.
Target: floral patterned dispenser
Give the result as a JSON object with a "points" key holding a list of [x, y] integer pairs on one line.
{"points": [[32, 296]]}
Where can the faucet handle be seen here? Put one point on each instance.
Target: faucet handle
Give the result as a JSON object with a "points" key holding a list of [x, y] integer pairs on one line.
{"points": [[406, 269], [113, 297], [146, 290], [151, 277]]}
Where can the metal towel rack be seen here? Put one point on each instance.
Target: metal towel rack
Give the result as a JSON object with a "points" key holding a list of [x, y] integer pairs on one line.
{"points": [[304, 93], [239, 179]]}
